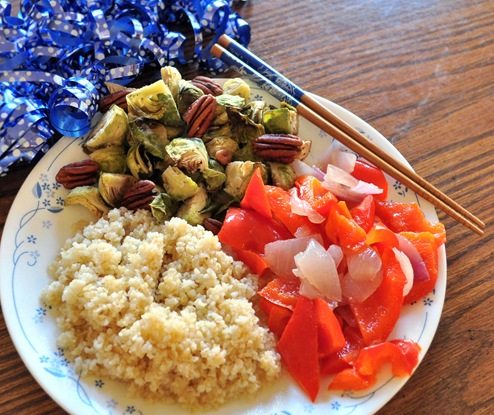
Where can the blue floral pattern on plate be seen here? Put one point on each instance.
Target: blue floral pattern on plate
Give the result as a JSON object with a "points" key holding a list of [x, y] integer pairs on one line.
{"points": [[39, 223]]}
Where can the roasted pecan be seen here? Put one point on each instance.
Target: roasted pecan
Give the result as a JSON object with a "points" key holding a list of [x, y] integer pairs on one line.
{"points": [[117, 98], [212, 225], [283, 148], [207, 85], [200, 115], [80, 173], [139, 195]]}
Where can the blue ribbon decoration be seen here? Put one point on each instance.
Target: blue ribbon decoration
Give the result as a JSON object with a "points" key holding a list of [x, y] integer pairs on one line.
{"points": [[56, 55]]}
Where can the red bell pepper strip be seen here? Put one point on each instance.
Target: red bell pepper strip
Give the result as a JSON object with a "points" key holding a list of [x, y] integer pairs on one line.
{"points": [[364, 212], [344, 231], [254, 261], [298, 347], [277, 316], [425, 243], [279, 200], [371, 174], [378, 314], [255, 197], [344, 358], [312, 191], [350, 379], [247, 230], [408, 217], [330, 336], [282, 291], [382, 237]]}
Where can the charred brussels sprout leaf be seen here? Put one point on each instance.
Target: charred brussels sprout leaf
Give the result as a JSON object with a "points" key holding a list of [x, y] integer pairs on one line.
{"points": [[243, 128], [163, 207], [151, 134], [187, 94], [138, 162], [230, 101]]}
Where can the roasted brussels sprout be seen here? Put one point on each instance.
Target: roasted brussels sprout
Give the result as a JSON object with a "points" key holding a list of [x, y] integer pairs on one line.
{"points": [[214, 179], [112, 187], [192, 210], [223, 131], [151, 134], [222, 149], [237, 86], [187, 94], [89, 197], [110, 130], [163, 207], [243, 128], [230, 101], [177, 184], [138, 162], [254, 111], [238, 175], [110, 159], [281, 120], [174, 132], [220, 117], [282, 175], [171, 77], [188, 153], [154, 101]]}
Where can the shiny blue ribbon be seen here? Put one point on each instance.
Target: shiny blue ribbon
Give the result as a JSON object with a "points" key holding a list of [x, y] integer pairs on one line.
{"points": [[56, 55]]}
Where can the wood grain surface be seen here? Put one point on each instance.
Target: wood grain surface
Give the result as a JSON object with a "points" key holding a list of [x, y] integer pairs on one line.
{"points": [[422, 73]]}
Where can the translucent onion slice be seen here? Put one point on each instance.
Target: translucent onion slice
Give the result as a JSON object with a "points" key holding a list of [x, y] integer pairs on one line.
{"points": [[279, 255], [336, 252], [317, 267], [303, 208], [336, 155], [407, 269], [302, 169], [420, 272], [358, 291], [364, 265], [346, 187]]}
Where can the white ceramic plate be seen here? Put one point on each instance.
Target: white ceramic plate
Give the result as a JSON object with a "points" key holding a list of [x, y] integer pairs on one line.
{"points": [[37, 226]]}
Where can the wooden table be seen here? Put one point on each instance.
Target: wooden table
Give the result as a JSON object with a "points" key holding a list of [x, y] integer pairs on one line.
{"points": [[422, 73]]}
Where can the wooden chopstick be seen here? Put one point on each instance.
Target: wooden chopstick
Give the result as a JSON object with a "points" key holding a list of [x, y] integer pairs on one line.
{"points": [[340, 130]]}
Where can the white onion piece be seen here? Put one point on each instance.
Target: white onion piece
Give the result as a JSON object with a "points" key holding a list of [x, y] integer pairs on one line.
{"points": [[358, 291], [364, 265], [304, 231], [336, 252], [316, 266], [302, 169], [420, 272], [279, 255], [346, 187], [307, 290], [334, 154], [303, 208], [407, 269]]}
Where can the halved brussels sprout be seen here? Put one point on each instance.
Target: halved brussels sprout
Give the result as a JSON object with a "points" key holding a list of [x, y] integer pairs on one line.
{"points": [[163, 207], [151, 134], [246, 153], [174, 132], [223, 131], [188, 153], [281, 120], [187, 94], [89, 197], [238, 175], [220, 117], [237, 86], [282, 175], [139, 164], [177, 184], [112, 187], [171, 77], [254, 110], [110, 130], [192, 209], [244, 130], [110, 159], [214, 179], [230, 101], [222, 149], [154, 101]]}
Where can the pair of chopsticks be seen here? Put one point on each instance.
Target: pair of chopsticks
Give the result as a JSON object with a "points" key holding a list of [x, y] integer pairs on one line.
{"points": [[270, 80]]}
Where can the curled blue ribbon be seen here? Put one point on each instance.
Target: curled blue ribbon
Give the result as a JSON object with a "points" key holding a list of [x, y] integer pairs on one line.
{"points": [[56, 55]]}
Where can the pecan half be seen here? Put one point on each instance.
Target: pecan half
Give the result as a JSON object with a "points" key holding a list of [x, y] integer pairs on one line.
{"points": [[212, 225], [207, 85], [117, 98], [200, 115], [139, 195], [80, 173], [283, 148]]}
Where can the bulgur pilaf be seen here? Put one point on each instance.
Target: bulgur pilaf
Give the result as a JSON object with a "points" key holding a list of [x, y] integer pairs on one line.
{"points": [[162, 308]]}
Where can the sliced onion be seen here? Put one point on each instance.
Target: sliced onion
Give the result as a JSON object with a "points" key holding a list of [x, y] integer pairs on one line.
{"points": [[317, 267], [336, 155], [279, 255], [358, 291], [420, 271], [407, 269], [347, 187], [364, 265], [302, 169], [303, 208], [336, 252]]}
